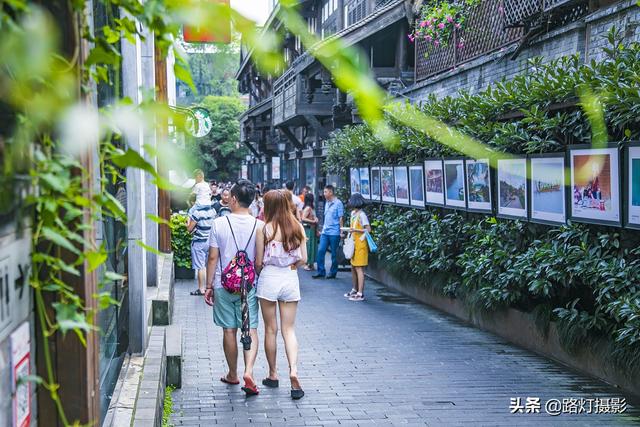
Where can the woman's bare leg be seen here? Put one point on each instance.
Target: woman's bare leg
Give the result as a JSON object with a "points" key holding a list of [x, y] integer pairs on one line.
{"points": [[360, 274], [270, 335], [288, 323]]}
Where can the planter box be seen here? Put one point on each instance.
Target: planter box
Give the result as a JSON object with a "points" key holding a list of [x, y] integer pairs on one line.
{"points": [[184, 273], [515, 326]]}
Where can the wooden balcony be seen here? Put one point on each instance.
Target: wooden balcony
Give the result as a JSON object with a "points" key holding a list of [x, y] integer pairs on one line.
{"points": [[294, 97]]}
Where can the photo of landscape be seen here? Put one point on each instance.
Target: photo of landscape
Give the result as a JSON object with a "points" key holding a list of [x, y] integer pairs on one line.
{"points": [[434, 178], [548, 189], [365, 188], [479, 184], [416, 185], [402, 185], [454, 181], [355, 180], [388, 190], [512, 187]]}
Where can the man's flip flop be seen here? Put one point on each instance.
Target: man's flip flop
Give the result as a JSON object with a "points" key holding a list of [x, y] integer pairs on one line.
{"points": [[271, 383], [226, 381], [197, 292], [297, 394]]}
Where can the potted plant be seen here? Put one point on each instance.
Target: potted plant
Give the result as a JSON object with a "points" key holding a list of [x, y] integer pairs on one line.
{"points": [[181, 246]]}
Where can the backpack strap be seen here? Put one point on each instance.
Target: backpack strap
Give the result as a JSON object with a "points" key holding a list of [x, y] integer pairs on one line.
{"points": [[234, 236]]}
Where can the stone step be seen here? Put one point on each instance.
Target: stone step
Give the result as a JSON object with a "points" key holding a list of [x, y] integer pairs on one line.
{"points": [[173, 336]]}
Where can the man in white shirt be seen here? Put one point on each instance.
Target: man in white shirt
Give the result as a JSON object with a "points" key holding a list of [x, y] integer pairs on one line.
{"points": [[228, 235]]}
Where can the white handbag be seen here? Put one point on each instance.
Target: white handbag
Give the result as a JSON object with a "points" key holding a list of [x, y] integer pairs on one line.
{"points": [[349, 247]]}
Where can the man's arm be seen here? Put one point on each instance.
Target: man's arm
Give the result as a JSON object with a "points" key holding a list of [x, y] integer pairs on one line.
{"points": [[259, 249], [212, 267]]}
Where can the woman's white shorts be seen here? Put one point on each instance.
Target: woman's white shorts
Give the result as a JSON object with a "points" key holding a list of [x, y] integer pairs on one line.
{"points": [[278, 284]]}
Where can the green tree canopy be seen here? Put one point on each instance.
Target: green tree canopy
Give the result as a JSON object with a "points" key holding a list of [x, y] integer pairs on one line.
{"points": [[220, 153]]}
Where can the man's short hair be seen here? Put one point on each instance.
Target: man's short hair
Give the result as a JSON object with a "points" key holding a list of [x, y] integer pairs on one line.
{"points": [[244, 191], [330, 188], [306, 187], [289, 185]]}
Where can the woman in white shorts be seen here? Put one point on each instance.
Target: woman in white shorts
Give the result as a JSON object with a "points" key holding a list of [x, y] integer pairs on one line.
{"points": [[280, 249]]}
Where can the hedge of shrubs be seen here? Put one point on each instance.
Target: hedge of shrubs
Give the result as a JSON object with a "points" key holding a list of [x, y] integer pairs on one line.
{"points": [[585, 277]]}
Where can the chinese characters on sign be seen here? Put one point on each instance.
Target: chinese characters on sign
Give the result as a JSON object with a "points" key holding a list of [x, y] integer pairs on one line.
{"points": [[570, 405], [20, 367]]}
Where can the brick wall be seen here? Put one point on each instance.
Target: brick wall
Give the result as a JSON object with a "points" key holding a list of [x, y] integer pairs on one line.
{"points": [[586, 37]]}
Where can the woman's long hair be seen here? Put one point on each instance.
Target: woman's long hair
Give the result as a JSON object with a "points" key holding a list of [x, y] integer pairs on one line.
{"points": [[308, 200], [277, 212]]}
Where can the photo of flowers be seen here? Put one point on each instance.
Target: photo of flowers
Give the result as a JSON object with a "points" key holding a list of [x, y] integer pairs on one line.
{"points": [[479, 185], [434, 177], [512, 187], [454, 183], [388, 189], [365, 188], [375, 183], [595, 185], [401, 185], [416, 185], [548, 189], [355, 180]]}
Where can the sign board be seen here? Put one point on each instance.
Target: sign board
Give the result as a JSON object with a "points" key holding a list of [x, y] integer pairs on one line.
{"points": [[21, 367], [199, 123], [275, 168], [14, 279], [244, 174], [219, 31]]}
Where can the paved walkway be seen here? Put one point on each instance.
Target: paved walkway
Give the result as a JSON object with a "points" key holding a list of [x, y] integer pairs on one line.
{"points": [[387, 360]]}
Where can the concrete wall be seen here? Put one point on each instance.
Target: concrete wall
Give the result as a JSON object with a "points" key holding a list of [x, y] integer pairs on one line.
{"points": [[586, 37]]}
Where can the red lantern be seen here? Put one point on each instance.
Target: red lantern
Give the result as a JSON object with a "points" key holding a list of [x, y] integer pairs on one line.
{"points": [[215, 32]]}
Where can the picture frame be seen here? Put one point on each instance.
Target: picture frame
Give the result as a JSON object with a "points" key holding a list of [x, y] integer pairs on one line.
{"points": [[376, 186], [631, 189], [548, 188], [512, 188], [401, 185], [455, 195], [388, 192], [595, 184], [365, 183], [416, 186], [478, 185], [354, 180], [434, 182]]}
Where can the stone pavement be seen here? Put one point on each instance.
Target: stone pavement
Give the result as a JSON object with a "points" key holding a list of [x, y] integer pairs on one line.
{"points": [[387, 360]]}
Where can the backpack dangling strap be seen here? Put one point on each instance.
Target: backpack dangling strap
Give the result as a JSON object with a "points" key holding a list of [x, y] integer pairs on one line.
{"points": [[234, 236]]}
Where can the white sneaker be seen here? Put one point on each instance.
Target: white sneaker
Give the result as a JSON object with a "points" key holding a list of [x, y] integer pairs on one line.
{"points": [[351, 293], [356, 297]]}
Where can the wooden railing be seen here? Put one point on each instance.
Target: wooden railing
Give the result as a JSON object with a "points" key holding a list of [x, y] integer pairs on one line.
{"points": [[492, 25], [483, 33]]}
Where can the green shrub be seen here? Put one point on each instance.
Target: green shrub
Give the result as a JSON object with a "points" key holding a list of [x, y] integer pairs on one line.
{"points": [[180, 241]]}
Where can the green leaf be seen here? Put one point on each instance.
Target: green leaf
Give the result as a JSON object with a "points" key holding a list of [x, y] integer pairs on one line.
{"points": [[149, 248], [96, 258], [157, 219], [70, 317], [110, 275], [99, 55], [58, 239]]}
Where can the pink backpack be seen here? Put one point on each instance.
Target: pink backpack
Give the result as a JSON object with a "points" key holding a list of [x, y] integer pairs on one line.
{"points": [[240, 271]]}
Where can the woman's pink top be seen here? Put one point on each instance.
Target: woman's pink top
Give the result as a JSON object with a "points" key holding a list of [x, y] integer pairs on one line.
{"points": [[274, 254]]}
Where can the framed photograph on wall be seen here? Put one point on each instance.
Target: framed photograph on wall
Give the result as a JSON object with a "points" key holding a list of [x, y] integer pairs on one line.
{"points": [[365, 185], [401, 179], [547, 189], [388, 185], [632, 185], [479, 185], [354, 174], [512, 188], [454, 182], [434, 182], [416, 186], [376, 187], [595, 185]]}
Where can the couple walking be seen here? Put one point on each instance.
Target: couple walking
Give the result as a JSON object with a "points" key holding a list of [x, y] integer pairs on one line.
{"points": [[241, 245]]}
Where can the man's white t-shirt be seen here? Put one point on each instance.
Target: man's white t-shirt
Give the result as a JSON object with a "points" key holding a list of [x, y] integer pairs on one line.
{"points": [[222, 239], [297, 202]]}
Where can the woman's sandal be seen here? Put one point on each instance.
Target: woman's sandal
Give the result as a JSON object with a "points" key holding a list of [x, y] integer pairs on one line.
{"points": [[250, 389], [197, 292]]}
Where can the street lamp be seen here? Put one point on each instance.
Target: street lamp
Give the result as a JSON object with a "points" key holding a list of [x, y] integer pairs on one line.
{"points": [[282, 146]]}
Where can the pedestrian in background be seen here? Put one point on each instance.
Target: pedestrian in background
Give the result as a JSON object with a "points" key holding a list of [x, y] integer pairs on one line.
{"points": [[199, 220], [359, 225], [330, 236], [201, 189], [298, 205], [310, 223], [280, 250], [222, 207]]}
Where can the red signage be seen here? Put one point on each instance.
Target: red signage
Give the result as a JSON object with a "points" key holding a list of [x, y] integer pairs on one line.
{"points": [[214, 32]]}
